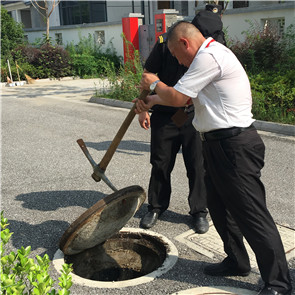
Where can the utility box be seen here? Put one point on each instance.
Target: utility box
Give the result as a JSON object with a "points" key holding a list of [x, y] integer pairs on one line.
{"points": [[149, 34], [130, 26], [164, 21], [146, 41]]}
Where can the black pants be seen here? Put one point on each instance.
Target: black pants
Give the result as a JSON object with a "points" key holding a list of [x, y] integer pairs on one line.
{"points": [[166, 140], [236, 202]]}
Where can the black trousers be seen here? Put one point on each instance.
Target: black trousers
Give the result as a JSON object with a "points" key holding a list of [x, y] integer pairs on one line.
{"points": [[236, 202], [166, 141]]}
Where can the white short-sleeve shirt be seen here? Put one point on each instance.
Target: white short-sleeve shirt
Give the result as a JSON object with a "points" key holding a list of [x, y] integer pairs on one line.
{"points": [[219, 88]]}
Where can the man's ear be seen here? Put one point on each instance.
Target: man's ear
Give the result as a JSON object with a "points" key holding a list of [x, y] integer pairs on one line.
{"points": [[185, 42]]}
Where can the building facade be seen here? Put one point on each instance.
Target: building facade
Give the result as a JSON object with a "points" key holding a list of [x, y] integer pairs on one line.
{"points": [[71, 20]]}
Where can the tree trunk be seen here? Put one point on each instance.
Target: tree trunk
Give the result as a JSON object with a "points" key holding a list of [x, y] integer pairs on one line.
{"points": [[47, 30], [47, 22]]}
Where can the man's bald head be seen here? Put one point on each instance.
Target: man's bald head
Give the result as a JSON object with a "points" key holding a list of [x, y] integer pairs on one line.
{"points": [[184, 41], [183, 29]]}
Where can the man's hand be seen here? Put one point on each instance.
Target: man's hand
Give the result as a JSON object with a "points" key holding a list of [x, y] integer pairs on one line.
{"points": [[141, 106], [144, 120], [147, 79]]}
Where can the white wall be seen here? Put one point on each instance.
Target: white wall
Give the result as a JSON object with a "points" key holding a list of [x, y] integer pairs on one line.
{"points": [[236, 23], [71, 34]]}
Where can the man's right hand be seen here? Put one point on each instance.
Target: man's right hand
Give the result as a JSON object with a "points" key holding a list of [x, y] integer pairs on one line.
{"points": [[144, 120]]}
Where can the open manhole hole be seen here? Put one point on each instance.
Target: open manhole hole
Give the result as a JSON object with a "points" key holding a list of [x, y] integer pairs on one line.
{"points": [[131, 257], [105, 255]]}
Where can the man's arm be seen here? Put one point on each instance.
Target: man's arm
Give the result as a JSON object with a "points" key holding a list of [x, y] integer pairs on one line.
{"points": [[165, 95]]}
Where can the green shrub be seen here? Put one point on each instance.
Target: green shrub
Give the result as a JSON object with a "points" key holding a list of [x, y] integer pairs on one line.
{"points": [[269, 60], [265, 50], [55, 61], [23, 275], [274, 96], [11, 33], [24, 68], [89, 60], [46, 61], [125, 84], [83, 65], [259, 49]]}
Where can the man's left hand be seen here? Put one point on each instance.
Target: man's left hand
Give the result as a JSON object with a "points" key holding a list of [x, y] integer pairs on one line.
{"points": [[147, 79]]}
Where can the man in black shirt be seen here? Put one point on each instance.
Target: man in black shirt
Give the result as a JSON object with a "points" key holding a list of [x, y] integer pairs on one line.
{"points": [[167, 138]]}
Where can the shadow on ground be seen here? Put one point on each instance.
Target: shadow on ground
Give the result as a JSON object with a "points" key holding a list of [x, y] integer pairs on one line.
{"points": [[52, 200], [39, 90], [129, 147], [46, 235]]}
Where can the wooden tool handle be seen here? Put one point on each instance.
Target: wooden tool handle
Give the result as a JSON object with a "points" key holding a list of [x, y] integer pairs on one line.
{"points": [[118, 137]]}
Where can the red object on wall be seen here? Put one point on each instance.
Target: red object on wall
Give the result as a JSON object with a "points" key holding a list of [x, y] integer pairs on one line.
{"points": [[130, 31], [160, 25]]}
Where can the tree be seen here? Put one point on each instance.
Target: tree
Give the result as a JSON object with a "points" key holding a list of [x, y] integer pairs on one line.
{"points": [[11, 33], [44, 11]]}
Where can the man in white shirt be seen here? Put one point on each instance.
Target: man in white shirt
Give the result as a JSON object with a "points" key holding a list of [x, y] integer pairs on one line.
{"points": [[233, 152]]}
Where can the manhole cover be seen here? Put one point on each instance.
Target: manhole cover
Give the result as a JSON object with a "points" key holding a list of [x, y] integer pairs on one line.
{"points": [[210, 244], [104, 257], [220, 290]]}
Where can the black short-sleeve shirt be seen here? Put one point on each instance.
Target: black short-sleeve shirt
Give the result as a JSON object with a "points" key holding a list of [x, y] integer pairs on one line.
{"points": [[166, 66]]}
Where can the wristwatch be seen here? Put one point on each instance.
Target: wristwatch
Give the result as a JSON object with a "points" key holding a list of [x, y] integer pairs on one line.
{"points": [[153, 85]]}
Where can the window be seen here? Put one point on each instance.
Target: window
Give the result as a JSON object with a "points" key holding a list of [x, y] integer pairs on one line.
{"points": [[240, 4], [274, 25], [100, 37], [26, 18], [58, 38], [79, 12], [165, 4]]}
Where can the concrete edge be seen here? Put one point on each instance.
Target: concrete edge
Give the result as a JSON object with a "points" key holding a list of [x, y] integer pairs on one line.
{"points": [[215, 290], [284, 129], [111, 102]]}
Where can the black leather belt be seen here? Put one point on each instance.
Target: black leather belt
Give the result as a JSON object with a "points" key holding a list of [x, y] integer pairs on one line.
{"points": [[223, 133]]}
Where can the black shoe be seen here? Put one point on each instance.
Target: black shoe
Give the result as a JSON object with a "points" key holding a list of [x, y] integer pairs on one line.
{"points": [[200, 224], [224, 269], [270, 291], [150, 219]]}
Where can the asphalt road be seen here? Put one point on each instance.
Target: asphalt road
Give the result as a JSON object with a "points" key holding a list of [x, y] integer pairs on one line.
{"points": [[47, 184]]}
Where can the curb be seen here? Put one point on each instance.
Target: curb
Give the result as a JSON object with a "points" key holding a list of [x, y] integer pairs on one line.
{"points": [[112, 102], [284, 129]]}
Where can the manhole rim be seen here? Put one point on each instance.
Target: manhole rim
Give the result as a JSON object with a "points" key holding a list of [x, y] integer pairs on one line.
{"points": [[215, 290], [169, 262]]}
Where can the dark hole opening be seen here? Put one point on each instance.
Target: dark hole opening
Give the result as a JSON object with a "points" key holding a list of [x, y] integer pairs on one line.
{"points": [[122, 257]]}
